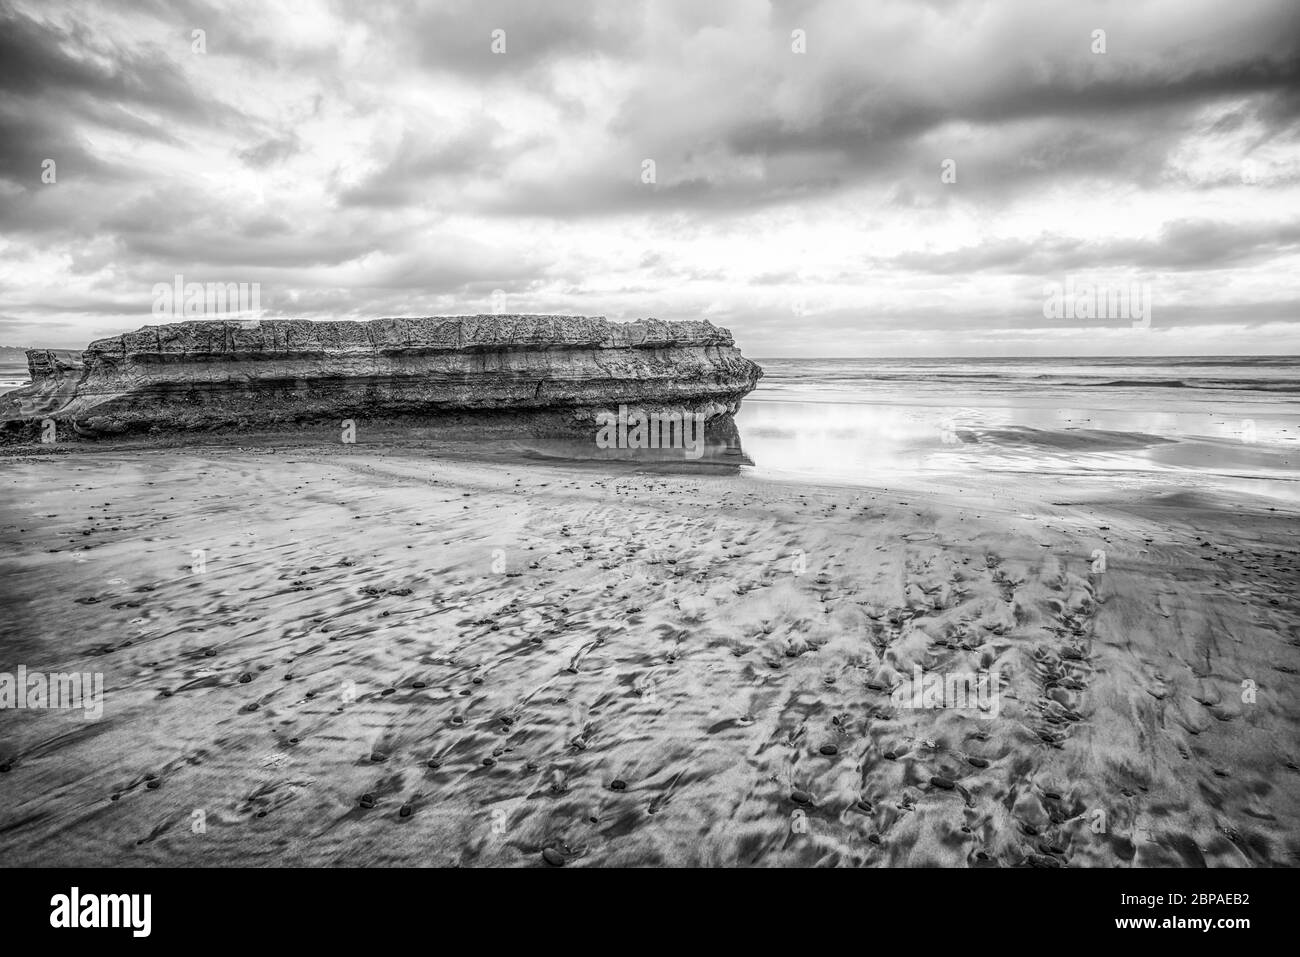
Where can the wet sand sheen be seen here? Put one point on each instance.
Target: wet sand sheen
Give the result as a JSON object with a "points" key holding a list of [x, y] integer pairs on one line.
{"points": [[390, 659]]}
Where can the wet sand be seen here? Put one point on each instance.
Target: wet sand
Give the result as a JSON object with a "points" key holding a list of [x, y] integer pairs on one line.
{"points": [[394, 657]]}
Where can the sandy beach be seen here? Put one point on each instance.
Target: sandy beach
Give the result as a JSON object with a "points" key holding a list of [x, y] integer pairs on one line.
{"points": [[379, 654]]}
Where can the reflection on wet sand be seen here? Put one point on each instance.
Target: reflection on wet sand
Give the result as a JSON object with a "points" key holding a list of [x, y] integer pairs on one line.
{"points": [[720, 448], [871, 442]]}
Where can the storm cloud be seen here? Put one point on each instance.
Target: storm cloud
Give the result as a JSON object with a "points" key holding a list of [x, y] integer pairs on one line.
{"points": [[823, 177]]}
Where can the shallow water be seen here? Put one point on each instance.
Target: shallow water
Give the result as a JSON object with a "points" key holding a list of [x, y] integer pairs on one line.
{"points": [[1233, 422], [869, 420], [13, 375]]}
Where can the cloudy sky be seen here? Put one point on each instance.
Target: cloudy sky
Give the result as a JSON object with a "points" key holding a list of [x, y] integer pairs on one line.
{"points": [[380, 158]]}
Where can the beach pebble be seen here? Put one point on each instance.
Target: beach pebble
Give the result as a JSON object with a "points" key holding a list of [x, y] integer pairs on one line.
{"points": [[553, 857]]}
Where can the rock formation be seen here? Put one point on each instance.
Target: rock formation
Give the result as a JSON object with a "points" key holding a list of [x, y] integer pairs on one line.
{"points": [[550, 372]]}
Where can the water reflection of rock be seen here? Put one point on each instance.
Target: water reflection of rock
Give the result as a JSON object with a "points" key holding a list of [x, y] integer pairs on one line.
{"points": [[724, 438], [721, 448]]}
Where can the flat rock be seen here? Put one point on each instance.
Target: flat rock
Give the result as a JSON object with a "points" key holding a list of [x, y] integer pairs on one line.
{"points": [[552, 374]]}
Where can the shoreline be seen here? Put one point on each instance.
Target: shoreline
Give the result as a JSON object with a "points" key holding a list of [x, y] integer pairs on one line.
{"points": [[573, 627]]}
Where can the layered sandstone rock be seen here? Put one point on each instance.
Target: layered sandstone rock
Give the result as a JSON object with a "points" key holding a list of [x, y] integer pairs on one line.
{"points": [[548, 371], [54, 375]]}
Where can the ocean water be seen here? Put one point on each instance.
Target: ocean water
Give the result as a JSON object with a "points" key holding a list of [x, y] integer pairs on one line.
{"points": [[12, 375], [1232, 420]]}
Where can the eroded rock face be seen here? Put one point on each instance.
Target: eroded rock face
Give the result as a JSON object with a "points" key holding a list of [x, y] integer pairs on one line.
{"points": [[54, 375], [549, 371]]}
